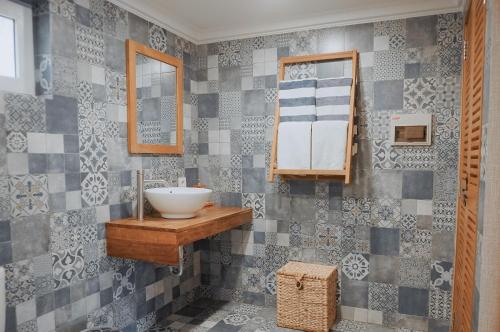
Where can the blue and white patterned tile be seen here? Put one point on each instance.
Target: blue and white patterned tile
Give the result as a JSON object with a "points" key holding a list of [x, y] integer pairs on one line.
{"points": [[328, 236], [256, 202], [450, 61], [447, 131], [420, 94], [253, 279], [17, 142], [300, 71], [68, 267], [389, 65], [91, 260], [383, 297], [440, 304], [116, 90], [442, 275], [229, 53], [146, 322], [124, 282], [19, 282], [29, 195], [89, 45], [386, 213], [415, 272], [450, 30], [418, 157], [43, 77], [385, 156], [102, 317], [356, 211], [304, 42], [389, 28], [24, 113], [124, 311], [355, 266], [444, 215], [63, 8], [158, 38]]}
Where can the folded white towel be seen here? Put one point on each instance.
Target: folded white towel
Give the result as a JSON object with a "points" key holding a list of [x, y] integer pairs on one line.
{"points": [[297, 99], [333, 98], [294, 145], [329, 143]]}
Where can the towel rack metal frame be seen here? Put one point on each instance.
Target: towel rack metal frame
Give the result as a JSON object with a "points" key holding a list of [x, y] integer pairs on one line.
{"points": [[351, 149]]}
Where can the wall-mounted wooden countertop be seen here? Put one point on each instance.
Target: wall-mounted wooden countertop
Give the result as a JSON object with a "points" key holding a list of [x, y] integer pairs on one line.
{"points": [[157, 240]]}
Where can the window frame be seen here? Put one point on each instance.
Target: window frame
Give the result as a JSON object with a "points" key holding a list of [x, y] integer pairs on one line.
{"points": [[24, 82]]}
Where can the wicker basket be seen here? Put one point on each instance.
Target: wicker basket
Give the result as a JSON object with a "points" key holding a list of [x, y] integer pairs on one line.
{"points": [[306, 296]]}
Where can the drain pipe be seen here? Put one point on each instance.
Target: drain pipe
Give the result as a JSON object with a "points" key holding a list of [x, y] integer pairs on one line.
{"points": [[177, 271]]}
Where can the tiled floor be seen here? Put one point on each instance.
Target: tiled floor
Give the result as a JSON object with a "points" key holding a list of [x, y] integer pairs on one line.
{"points": [[220, 316]]}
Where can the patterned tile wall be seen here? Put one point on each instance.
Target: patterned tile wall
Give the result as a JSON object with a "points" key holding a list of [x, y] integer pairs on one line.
{"points": [[65, 171], [391, 232]]}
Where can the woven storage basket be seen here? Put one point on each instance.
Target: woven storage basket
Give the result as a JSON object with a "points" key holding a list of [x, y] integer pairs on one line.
{"points": [[306, 296]]}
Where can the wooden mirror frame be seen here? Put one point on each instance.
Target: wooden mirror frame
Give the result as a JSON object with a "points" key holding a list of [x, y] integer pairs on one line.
{"points": [[132, 48]]}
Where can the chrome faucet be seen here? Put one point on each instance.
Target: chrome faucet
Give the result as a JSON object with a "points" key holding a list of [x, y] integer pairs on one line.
{"points": [[140, 193]]}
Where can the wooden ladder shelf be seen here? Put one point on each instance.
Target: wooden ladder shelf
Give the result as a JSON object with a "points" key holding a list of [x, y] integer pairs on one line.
{"points": [[351, 148]]}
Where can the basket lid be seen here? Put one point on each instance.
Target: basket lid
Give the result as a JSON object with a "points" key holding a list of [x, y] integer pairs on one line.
{"points": [[315, 271]]}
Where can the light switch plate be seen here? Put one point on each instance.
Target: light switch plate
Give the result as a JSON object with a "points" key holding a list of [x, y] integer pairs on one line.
{"points": [[181, 181]]}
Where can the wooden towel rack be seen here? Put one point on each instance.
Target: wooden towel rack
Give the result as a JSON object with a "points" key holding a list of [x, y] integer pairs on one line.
{"points": [[351, 148]]}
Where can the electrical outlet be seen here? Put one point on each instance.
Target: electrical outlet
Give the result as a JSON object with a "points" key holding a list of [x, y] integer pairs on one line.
{"points": [[181, 181]]}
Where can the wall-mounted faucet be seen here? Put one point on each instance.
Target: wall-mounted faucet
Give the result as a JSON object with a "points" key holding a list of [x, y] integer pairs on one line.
{"points": [[140, 193]]}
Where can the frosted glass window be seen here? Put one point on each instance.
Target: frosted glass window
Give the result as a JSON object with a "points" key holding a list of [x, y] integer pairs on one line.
{"points": [[8, 47]]}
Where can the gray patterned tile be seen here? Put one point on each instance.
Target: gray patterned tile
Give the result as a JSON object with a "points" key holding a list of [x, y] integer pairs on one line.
{"points": [[415, 272], [382, 297], [90, 45], [256, 202], [440, 304], [17, 142], [450, 30], [420, 94], [19, 282], [385, 156], [355, 266], [123, 282], [94, 188], [24, 113], [357, 211], [389, 65], [441, 275]]}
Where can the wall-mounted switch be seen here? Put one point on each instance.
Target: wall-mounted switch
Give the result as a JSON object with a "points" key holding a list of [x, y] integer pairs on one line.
{"points": [[181, 181]]}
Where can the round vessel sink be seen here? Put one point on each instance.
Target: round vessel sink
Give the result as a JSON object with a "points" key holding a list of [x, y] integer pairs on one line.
{"points": [[178, 202]]}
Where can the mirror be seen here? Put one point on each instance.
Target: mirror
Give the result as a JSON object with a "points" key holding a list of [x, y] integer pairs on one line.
{"points": [[154, 88]]}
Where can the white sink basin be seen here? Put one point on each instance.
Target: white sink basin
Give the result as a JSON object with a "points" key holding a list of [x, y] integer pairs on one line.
{"points": [[178, 202]]}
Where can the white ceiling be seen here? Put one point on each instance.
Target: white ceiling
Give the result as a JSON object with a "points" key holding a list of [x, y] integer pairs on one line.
{"points": [[204, 21]]}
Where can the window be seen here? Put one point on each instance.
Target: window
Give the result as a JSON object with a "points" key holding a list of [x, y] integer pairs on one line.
{"points": [[17, 72], [7, 58]]}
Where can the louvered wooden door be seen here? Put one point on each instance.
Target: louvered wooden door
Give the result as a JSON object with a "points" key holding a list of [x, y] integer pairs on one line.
{"points": [[469, 168]]}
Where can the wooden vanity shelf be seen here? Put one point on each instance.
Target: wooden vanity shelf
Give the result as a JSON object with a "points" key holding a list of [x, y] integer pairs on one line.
{"points": [[157, 240], [351, 147]]}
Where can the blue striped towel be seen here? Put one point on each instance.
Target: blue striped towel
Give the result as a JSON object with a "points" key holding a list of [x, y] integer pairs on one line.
{"points": [[333, 98], [297, 100]]}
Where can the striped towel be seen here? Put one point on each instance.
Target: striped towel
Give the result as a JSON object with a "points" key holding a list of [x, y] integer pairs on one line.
{"points": [[333, 98], [297, 100]]}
